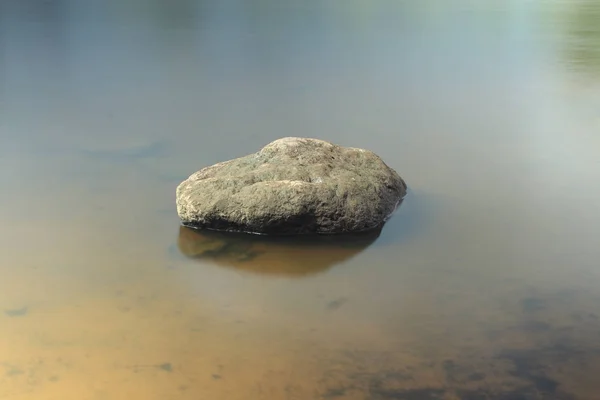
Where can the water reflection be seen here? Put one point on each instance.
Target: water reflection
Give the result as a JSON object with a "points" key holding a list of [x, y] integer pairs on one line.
{"points": [[582, 47], [34, 33], [273, 256], [484, 284], [177, 14]]}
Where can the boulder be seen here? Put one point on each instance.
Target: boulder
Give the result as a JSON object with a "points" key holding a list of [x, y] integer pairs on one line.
{"points": [[292, 186]]}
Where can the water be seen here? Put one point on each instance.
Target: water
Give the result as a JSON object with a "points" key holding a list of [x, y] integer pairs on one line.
{"points": [[484, 285]]}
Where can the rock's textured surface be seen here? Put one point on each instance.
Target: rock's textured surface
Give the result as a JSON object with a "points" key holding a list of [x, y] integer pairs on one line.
{"points": [[292, 186]]}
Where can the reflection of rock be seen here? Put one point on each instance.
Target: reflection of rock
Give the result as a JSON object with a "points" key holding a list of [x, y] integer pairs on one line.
{"points": [[293, 186], [283, 256]]}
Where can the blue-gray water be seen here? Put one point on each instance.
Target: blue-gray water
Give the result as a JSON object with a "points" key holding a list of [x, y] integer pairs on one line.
{"points": [[484, 285]]}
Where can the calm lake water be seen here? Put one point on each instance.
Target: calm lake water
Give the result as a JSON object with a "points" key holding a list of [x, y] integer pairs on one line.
{"points": [[485, 285]]}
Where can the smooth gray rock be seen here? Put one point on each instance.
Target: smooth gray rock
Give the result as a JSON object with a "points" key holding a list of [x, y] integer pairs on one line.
{"points": [[292, 186]]}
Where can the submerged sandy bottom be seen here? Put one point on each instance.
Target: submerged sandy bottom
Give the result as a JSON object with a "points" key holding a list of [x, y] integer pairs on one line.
{"points": [[123, 322]]}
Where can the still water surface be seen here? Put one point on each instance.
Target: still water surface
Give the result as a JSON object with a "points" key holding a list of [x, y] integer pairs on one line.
{"points": [[484, 285]]}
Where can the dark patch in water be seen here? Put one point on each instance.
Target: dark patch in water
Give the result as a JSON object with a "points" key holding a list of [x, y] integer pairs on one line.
{"points": [[337, 303], [532, 304], [166, 367], [476, 376], [460, 373], [524, 394], [577, 317], [450, 368], [17, 312], [14, 371], [538, 387], [535, 327], [530, 365], [409, 394], [388, 386], [156, 149], [337, 392], [525, 371]]}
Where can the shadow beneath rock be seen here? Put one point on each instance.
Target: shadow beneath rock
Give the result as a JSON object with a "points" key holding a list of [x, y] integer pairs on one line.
{"points": [[292, 256]]}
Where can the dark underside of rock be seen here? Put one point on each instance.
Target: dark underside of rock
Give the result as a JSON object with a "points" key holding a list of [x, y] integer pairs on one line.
{"points": [[292, 186]]}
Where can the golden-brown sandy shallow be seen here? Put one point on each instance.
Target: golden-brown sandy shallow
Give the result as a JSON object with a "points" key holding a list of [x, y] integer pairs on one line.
{"points": [[115, 321]]}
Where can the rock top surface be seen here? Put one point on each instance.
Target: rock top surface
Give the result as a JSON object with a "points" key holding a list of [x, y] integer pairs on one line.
{"points": [[292, 186]]}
